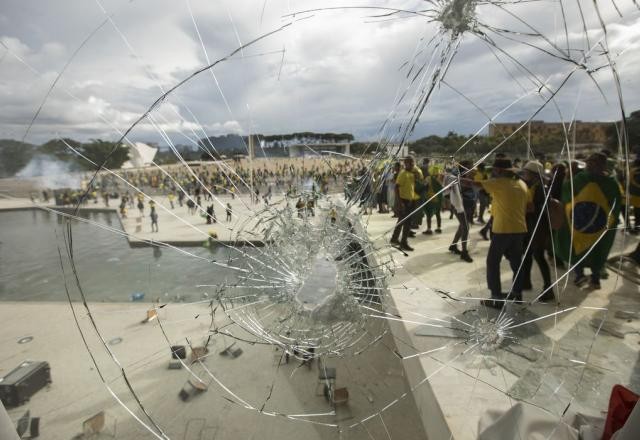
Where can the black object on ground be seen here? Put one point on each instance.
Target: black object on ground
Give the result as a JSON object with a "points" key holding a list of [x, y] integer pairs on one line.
{"points": [[24, 381], [178, 352]]}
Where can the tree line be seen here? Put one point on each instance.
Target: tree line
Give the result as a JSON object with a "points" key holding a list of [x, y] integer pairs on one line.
{"points": [[15, 155]]}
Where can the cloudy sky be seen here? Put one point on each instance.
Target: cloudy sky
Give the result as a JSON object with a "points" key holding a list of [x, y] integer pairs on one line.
{"points": [[96, 66]]}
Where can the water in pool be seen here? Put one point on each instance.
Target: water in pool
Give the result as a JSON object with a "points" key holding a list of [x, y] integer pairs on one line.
{"points": [[109, 270]]}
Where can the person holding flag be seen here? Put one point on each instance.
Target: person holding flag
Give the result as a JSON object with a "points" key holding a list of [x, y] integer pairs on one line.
{"points": [[591, 212]]}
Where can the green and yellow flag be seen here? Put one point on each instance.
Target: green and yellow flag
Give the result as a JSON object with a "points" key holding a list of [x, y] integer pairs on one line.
{"points": [[435, 203], [591, 213]]}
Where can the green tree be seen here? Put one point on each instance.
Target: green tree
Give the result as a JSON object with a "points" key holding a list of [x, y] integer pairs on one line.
{"points": [[633, 129], [58, 148], [633, 133], [106, 153], [14, 155]]}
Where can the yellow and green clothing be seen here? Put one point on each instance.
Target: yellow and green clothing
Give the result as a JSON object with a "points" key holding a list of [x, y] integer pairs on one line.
{"points": [[509, 204], [406, 182], [434, 195], [479, 176], [592, 213]]}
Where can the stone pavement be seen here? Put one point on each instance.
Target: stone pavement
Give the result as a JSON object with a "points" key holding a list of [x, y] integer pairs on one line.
{"points": [[179, 227], [257, 376], [176, 225], [544, 365], [574, 356]]}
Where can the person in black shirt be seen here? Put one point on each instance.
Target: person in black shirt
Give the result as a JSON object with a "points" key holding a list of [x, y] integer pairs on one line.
{"points": [[538, 231]]}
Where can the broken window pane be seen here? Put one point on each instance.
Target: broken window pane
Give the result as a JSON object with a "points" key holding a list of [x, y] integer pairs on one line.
{"points": [[222, 293]]}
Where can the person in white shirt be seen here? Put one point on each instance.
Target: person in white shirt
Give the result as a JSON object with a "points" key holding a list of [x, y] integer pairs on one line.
{"points": [[452, 184]]}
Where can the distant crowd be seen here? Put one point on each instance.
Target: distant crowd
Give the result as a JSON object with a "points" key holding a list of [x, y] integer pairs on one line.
{"points": [[207, 179], [234, 178], [566, 213]]}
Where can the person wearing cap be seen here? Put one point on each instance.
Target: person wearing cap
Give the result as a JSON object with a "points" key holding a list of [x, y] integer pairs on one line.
{"points": [[508, 230], [538, 231], [486, 229], [406, 197], [592, 203]]}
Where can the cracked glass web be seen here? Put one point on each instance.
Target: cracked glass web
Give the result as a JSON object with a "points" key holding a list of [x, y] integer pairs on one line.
{"points": [[317, 284]]}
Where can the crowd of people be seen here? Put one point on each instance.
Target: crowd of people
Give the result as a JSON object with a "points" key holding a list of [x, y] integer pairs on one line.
{"points": [[196, 185], [235, 178], [568, 212], [208, 179], [541, 211]]}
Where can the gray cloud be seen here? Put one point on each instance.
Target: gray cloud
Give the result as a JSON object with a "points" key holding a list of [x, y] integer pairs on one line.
{"points": [[341, 69]]}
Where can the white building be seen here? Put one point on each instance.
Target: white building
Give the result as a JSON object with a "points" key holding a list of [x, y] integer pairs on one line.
{"points": [[140, 155]]}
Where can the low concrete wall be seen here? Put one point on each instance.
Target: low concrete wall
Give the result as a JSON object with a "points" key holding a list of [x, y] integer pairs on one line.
{"points": [[433, 420]]}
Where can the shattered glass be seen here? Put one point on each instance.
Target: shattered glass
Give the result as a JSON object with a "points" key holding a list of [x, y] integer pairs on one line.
{"points": [[292, 288]]}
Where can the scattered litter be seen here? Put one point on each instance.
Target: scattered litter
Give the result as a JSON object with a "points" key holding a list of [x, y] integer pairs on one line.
{"points": [[232, 352], [198, 353], [94, 427], [136, 296], [115, 341], [17, 387], [192, 388], [26, 422], [151, 315], [624, 314]]}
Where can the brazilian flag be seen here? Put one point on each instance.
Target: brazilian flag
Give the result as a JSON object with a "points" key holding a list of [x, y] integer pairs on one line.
{"points": [[435, 203], [592, 212], [634, 187]]}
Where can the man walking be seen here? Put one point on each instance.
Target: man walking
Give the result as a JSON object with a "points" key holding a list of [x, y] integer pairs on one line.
{"points": [[405, 202], [229, 211], [509, 207], [154, 219], [451, 182]]}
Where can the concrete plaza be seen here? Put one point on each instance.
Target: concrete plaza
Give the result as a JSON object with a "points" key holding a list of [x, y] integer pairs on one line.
{"points": [[586, 349]]}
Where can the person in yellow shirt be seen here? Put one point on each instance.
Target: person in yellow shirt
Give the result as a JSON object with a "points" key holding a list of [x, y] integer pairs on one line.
{"points": [[509, 208], [406, 197]]}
